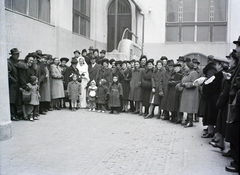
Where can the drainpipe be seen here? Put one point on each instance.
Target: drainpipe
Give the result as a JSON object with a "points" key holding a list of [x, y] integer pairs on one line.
{"points": [[143, 31], [115, 33]]}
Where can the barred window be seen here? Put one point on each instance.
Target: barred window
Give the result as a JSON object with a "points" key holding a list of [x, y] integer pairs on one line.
{"points": [[39, 9], [196, 20], [81, 17]]}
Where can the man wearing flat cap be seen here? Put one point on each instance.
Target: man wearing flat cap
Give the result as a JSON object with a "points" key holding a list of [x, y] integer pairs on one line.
{"points": [[13, 82]]}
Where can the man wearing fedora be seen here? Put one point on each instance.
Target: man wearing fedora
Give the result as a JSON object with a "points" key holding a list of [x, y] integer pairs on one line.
{"points": [[89, 54], [13, 82]]}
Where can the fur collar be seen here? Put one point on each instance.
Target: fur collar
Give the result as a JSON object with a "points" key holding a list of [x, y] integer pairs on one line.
{"points": [[22, 65]]}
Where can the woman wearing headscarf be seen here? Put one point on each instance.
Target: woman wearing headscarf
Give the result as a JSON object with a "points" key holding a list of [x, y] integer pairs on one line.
{"points": [[83, 71], [189, 99]]}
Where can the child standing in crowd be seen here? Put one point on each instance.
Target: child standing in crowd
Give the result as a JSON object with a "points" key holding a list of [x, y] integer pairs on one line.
{"points": [[74, 91], [92, 95], [32, 107], [102, 95], [115, 93]]}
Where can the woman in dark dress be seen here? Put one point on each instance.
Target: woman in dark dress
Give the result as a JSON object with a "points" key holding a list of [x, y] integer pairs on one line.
{"points": [[146, 85]]}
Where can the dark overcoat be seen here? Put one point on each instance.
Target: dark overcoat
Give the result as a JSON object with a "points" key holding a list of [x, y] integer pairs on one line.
{"points": [[146, 84], [102, 94], [115, 91], [166, 77], [44, 82], [135, 93], [211, 94], [13, 81], [190, 96], [173, 94], [104, 73], [74, 90], [67, 75], [124, 79], [157, 83], [93, 72]]}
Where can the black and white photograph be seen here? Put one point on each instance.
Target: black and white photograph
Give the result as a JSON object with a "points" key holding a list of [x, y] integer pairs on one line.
{"points": [[119, 87]]}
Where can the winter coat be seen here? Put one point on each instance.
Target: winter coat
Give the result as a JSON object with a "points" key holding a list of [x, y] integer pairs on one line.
{"points": [[93, 71], [211, 93], [13, 81], [166, 77], [57, 90], [101, 94], [34, 89], [74, 90], [67, 75], [157, 83], [126, 76], [146, 84], [173, 95], [44, 84], [135, 93], [104, 73], [115, 93], [190, 96]]}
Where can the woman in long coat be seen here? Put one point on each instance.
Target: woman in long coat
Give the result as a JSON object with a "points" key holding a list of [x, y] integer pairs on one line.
{"points": [[57, 83], [157, 89], [44, 86], [104, 72], [146, 84], [135, 93], [124, 79], [190, 96], [83, 72]]}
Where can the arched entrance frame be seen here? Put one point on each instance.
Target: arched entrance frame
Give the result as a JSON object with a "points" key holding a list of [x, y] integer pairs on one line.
{"points": [[133, 16], [201, 58]]}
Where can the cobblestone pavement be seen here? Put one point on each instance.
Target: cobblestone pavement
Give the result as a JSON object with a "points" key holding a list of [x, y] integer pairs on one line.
{"points": [[82, 142]]}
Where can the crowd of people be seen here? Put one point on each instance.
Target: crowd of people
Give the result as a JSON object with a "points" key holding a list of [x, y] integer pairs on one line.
{"points": [[42, 83]]}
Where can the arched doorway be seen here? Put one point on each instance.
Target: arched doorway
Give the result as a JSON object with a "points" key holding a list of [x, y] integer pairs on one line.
{"points": [[201, 58], [123, 21]]}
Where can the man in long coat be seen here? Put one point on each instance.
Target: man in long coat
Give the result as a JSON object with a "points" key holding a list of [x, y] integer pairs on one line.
{"points": [[93, 69], [13, 82]]}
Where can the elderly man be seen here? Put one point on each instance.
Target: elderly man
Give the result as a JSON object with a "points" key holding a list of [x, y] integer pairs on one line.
{"points": [[13, 82]]}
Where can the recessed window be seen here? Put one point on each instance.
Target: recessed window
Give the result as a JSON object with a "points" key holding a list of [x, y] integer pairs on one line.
{"points": [[39, 9], [81, 17], [196, 20]]}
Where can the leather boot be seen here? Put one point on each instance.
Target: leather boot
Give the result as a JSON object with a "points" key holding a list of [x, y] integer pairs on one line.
{"points": [[190, 121]]}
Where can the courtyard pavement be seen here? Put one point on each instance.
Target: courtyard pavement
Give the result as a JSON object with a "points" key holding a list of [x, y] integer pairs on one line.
{"points": [[82, 142]]}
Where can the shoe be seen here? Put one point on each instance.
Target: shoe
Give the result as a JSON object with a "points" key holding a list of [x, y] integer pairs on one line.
{"points": [[178, 122], [57, 108], [103, 111], [144, 115], [31, 119], [207, 135], [140, 114], [215, 145], [232, 169], [188, 125], [115, 112], [14, 119], [184, 122], [135, 112], [206, 129], [165, 118], [90, 110], [36, 118], [148, 116], [227, 154], [111, 112], [43, 113], [93, 109], [157, 116], [50, 109]]}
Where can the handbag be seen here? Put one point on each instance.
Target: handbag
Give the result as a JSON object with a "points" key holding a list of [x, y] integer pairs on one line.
{"points": [[26, 95], [233, 112]]}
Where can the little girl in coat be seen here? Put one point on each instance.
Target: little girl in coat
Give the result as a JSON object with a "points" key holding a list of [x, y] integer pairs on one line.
{"points": [[91, 94], [102, 95], [74, 91], [32, 106]]}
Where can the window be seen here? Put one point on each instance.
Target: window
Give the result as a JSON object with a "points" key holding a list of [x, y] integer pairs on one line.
{"points": [[39, 9], [81, 17], [196, 20]]}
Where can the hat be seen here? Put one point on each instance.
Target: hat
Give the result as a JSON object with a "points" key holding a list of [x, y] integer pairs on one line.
{"points": [[14, 51], [90, 48], [105, 60], [211, 58], [112, 60], [218, 59], [163, 58], [84, 50], [194, 60], [181, 58], [93, 81], [187, 59], [64, 59], [190, 65], [170, 63], [143, 56], [95, 50], [103, 51], [238, 41], [233, 54], [33, 78], [39, 52], [74, 60], [132, 61], [118, 62], [77, 51], [45, 56], [176, 65], [150, 61]]}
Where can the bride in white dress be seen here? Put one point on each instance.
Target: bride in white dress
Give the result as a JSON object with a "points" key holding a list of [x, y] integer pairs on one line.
{"points": [[83, 71]]}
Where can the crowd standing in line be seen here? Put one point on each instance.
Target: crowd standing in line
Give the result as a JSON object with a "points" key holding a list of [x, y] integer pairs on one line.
{"points": [[42, 83]]}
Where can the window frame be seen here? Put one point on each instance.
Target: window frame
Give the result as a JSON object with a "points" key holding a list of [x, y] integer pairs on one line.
{"points": [[180, 24]]}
